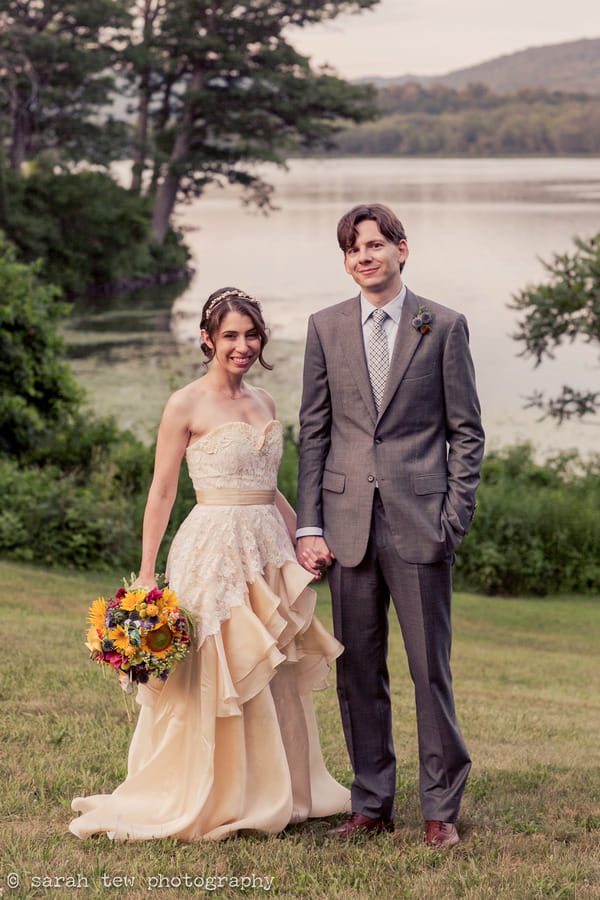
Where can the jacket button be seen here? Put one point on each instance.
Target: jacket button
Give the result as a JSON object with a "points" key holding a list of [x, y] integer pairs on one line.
{"points": [[370, 478], [379, 440]]}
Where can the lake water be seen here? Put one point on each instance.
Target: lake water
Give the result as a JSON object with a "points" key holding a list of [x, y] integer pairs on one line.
{"points": [[477, 231]]}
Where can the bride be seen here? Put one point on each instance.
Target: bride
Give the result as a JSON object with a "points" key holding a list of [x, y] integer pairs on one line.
{"points": [[229, 741]]}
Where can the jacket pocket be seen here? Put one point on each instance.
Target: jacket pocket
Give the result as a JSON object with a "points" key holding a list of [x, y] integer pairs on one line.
{"points": [[334, 481], [431, 484]]}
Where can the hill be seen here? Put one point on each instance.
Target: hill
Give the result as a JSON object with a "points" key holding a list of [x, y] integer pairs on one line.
{"points": [[571, 66]]}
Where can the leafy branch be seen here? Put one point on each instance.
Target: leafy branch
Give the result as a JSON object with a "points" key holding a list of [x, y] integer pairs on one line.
{"points": [[565, 308]]}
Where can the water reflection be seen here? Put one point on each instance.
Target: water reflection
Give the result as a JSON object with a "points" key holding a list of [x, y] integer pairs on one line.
{"points": [[128, 321]]}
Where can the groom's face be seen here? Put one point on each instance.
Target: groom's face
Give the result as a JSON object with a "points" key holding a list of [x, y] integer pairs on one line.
{"points": [[374, 262]]}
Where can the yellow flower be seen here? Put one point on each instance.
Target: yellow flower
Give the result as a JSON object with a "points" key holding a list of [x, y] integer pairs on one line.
{"points": [[93, 642], [132, 598], [97, 613], [152, 609], [169, 599], [121, 641]]}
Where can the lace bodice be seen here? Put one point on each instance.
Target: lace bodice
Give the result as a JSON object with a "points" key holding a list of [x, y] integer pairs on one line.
{"points": [[236, 455], [220, 550]]}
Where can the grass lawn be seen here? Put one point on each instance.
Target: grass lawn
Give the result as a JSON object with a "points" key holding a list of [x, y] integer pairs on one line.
{"points": [[527, 683]]}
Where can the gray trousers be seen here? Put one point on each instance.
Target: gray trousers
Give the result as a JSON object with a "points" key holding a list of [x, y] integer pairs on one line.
{"points": [[422, 597]]}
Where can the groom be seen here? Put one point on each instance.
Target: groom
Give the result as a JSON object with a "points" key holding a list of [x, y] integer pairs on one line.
{"points": [[391, 445]]}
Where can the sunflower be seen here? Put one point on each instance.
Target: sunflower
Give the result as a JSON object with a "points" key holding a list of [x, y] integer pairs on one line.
{"points": [[158, 641], [97, 613]]}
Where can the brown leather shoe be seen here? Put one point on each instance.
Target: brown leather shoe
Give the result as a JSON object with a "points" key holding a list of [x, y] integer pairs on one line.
{"points": [[441, 835], [357, 824]]}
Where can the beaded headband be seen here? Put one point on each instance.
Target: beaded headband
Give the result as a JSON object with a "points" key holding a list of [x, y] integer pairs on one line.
{"points": [[231, 293]]}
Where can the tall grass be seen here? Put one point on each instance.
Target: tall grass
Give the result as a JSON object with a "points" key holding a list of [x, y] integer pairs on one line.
{"points": [[527, 685]]}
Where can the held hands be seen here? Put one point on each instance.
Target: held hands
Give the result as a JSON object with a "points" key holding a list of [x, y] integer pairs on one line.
{"points": [[314, 555]]}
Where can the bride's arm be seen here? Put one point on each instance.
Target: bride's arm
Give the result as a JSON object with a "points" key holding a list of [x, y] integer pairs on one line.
{"points": [[173, 436]]}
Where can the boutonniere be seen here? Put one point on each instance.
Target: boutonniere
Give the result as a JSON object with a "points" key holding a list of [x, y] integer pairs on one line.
{"points": [[423, 319]]}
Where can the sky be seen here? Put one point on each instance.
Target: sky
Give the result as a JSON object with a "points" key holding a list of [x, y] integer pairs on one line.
{"points": [[434, 37]]}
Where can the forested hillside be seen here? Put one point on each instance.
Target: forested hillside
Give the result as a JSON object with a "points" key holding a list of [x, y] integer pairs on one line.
{"points": [[475, 120], [570, 66]]}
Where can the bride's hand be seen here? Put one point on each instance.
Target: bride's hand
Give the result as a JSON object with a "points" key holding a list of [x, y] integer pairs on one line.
{"points": [[149, 583], [314, 555]]}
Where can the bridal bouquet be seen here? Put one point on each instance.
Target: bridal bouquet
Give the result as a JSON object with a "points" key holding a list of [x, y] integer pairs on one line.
{"points": [[139, 633]]}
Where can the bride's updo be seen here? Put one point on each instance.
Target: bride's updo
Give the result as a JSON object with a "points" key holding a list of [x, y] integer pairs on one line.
{"points": [[226, 300]]}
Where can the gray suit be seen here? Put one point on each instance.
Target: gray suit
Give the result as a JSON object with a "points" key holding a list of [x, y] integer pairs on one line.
{"points": [[423, 452]]}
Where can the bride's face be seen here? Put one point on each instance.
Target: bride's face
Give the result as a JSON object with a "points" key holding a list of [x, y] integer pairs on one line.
{"points": [[236, 344]]}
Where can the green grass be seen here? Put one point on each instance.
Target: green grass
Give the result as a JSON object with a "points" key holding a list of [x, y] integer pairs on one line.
{"points": [[527, 685]]}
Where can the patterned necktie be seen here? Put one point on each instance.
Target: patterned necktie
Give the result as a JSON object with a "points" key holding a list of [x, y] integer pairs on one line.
{"points": [[378, 353]]}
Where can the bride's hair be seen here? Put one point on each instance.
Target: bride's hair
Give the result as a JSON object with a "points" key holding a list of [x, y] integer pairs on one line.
{"points": [[226, 300]]}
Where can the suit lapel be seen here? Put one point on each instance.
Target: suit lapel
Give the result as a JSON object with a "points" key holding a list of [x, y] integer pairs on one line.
{"points": [[407, 341], [351, 336]]}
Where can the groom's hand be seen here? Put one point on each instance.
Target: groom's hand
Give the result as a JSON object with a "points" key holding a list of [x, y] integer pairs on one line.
{"points": [[313, 554]]}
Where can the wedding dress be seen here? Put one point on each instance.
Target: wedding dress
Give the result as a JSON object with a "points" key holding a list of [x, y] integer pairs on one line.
{"points": [[229, 741]]}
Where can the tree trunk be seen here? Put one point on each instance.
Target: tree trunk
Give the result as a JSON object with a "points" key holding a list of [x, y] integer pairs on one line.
{"points": [[166, 195], [151, 10], [18, 146], [141, 138], [164, 205]]}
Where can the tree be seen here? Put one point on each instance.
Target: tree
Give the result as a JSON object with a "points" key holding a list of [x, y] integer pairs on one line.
{"points": [[225, 90], [55, 78], [565, 308], [38, 394]]}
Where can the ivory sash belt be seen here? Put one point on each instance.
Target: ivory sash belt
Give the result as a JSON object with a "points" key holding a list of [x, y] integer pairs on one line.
{"points": [[234, 497]]}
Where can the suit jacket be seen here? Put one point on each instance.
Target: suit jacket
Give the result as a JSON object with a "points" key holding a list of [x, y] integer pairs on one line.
{"points": [[424, 448]]}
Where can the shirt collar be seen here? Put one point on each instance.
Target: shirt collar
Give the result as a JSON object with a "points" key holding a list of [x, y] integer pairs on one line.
{"points": [[393, 307]]}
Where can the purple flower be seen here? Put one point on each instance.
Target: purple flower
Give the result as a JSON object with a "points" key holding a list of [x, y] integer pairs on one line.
{"points": [[423, 319]]}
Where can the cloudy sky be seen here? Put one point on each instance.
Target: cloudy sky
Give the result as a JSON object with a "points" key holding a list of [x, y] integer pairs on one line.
{"points": [[433, 37]]}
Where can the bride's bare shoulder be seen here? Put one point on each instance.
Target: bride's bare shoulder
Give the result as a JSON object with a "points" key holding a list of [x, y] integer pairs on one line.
{"points": [[185, 398], [264, 399]]}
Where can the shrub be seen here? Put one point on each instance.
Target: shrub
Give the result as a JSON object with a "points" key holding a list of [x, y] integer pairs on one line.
{"points": [[38, 393], [288, 470], [537, 527], [49, 519], [87, 230]]}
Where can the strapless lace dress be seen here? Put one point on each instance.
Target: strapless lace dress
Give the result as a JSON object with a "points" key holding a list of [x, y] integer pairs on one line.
{"points": [[230, 740]]}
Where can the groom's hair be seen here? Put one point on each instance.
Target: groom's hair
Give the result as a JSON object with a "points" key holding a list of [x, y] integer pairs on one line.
{"points": [[389, 224]]}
